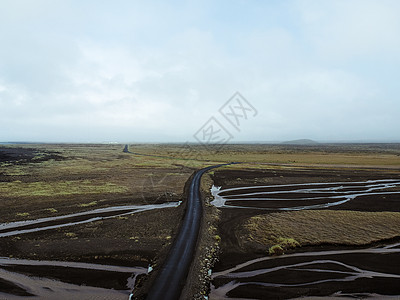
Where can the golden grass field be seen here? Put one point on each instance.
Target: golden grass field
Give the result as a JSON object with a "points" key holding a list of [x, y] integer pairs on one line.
{"points": [[316, 227], [83, 177], [88, 173], [85, 174], [339, 154]]}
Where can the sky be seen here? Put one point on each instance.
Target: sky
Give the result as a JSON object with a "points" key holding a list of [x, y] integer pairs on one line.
{"points": [[162, 71]]}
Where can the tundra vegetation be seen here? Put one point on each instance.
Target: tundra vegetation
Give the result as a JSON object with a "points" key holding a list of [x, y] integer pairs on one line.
{"points": [[38, 181]]}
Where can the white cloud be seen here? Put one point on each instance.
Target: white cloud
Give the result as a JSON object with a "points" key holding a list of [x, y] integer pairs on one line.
{"points": [[90, 71], [352, 28]]}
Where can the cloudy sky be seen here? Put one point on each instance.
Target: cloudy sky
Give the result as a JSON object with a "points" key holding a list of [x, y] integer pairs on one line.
{"points": [[157, 71]]}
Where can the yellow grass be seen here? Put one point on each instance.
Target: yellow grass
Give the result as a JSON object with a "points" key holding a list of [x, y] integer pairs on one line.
{"points": [[324, 226], [343, 155], [93, 203], [317, 158], [62, 188], [98, 170]]}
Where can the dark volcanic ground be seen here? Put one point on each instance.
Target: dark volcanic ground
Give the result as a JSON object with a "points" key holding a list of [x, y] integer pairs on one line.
{"points": [[26, 155], [289, 282]]}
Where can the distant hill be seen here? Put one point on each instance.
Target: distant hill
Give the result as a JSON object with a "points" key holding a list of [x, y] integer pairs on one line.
{"points": [[301, 142]]}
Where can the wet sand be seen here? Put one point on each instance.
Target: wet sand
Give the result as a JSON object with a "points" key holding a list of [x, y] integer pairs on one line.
{"points": [[20, 278]]}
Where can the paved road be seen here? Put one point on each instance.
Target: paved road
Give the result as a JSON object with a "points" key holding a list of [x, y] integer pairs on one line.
{"points": [[172, 276]]}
